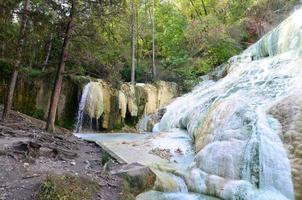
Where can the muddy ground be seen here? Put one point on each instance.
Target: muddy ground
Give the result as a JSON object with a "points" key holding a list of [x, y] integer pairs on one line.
{"points": [[28, 155]]}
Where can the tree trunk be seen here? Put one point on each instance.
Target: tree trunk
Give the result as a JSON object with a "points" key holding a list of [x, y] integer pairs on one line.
{"points": [[132, 44], [153, 41], [204, 7], [10, 94], [45, 63], [137, 35], [50, 124], [2, 50], [14, 76]]}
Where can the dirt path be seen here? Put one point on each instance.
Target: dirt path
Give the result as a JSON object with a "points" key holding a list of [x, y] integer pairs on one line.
{"points": [[28, 155]]}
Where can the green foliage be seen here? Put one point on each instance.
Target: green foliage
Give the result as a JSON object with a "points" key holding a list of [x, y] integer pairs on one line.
{"points": [[126, 190], [171, 25], [105, 158], [38, 113], [32, 72], [220, 51], [190, 39], [66, 187], [5, 68]]}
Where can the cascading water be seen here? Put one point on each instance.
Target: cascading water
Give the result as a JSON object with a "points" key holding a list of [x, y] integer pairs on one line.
{"points": [[80, 115], [142, 125], [240, 154], [91, 107]]}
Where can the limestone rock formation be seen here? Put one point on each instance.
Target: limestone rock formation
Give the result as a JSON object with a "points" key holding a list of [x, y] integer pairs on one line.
{"points": [[94, 106], [288, 111], [137, 178], [108, 108], [247, 126]]}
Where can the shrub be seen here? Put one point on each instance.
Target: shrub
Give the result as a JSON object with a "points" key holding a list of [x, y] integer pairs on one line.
{"points": [[66, 187]]}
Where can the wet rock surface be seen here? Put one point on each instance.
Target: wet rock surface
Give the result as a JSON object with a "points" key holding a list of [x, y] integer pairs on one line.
{"points": [[137, 178], [106, 108], [246, 126], [289, 113]]}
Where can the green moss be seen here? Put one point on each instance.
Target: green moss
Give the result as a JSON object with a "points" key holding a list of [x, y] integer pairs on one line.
{"points": [[38, 113], [5, 69], [71, 89], [105, 157], [115, 116], [25, 96], [126, 191], [134, 185], [66, 187], [80, 81], [141, 97], [31, 72]]}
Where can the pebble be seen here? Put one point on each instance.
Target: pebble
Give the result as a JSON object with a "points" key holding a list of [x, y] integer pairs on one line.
{"points": [[25, 164]]}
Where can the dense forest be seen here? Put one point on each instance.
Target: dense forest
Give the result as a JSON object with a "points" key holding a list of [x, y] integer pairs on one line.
{"points": [[190, 37]]}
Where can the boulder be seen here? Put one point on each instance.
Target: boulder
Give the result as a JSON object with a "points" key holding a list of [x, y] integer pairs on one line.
{"points": [[137, 178]]}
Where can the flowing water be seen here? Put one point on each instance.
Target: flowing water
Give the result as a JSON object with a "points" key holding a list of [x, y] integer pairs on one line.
{"points": [[80, 116], [239, 152]]}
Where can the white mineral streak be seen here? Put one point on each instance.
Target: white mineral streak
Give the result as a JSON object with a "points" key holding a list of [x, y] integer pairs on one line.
{"points": [[240, 154]]}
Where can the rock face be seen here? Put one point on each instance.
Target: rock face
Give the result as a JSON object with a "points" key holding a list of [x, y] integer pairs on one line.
{"points": [[288, 111], [106, 108], [95, 100], [109, 108], [147, 123], [32, 97]]}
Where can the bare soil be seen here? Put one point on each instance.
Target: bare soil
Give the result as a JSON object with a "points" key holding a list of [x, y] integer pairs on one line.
{"points": [[28, 155]]}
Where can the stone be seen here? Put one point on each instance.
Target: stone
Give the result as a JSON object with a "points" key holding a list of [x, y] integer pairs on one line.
{"points": [[288, 111], [25, 164], [94, 106], [122, 104], [107, 107], [166, 182], [147, 123], [138, 178]]}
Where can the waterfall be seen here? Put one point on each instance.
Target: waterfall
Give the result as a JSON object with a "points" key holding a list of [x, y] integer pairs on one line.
{"points": [[142, 125], [238, 144], [181, 184], [80, 115]]}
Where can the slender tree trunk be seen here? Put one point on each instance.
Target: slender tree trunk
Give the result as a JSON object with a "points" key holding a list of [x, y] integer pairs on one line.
{"points": [[204, 7], [32, 56], [49, 46], [132, 44], [14, 76], [153, 42], [137, 35], [50, 125], [2, 50], [195, 9]]}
